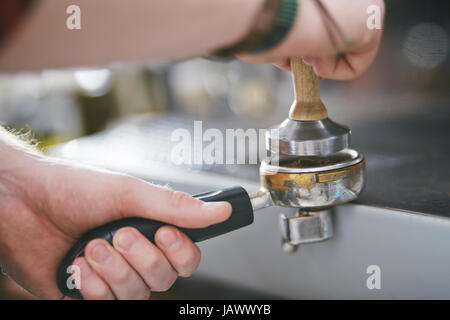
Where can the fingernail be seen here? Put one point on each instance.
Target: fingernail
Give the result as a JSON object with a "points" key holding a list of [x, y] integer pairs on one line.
{"points": [[168, 239], [126, 240], [213, 206], [100, 253]]}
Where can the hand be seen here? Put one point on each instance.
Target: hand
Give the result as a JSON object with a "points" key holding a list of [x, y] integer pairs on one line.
{"points": [[46, 204], [309, 39]]}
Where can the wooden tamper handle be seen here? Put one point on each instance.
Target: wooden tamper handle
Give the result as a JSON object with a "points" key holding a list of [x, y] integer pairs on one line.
{"points": [[307, 105]]}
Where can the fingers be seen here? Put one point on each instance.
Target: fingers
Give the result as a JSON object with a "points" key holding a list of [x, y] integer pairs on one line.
{"points": [[145, 258], [360, 61], [137, 266], [112, 268], [309, 37], [139, 198], [329, 67], [182, 253], [284, 64], [92, 287]]}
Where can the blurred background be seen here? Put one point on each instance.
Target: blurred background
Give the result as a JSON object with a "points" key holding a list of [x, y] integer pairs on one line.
{"points": [[122, 118]]}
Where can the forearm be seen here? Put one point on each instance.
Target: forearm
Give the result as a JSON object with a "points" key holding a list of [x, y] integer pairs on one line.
{"points": [[131, 30], [15, 150], [17, 161]]}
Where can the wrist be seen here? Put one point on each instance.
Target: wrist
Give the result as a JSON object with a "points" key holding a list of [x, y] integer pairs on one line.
{"points": [[303, 36], [243, 14], [12, 145], [270, 26], [18, 165], [16, 170]]}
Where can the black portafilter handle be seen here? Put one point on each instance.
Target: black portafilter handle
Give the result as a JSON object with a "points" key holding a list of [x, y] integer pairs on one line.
{"points": [[241, 216]]}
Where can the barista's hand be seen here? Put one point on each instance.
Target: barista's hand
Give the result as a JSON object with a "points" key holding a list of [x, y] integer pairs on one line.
{"points": [[309, 39], [46, 204]]}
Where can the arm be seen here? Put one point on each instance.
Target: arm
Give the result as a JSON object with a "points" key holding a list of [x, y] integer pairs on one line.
{"points": [[151, 30], [45, 204], [125, 30]]}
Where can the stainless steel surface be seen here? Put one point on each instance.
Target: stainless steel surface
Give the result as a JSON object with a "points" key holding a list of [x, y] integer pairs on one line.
{"points": [[315, 187], [307, 138], [411, 250], [306, 227]]}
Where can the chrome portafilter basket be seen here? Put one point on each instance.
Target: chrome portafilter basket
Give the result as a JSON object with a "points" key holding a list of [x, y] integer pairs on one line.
{"points": [[311, 166], [314, 183]]}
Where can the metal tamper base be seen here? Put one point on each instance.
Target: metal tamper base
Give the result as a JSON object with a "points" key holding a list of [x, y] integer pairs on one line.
{"points": [[307, 138]]}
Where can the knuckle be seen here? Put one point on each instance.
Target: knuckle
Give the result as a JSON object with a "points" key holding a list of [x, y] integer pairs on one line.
{"points": [[166, 283], [120, 275], [178, 198], [154, 262]]}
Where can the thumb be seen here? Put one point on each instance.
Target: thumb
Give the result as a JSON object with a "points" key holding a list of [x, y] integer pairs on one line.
{"points": [[142, 199]]}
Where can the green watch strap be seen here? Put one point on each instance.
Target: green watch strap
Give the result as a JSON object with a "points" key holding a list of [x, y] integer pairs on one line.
{"points": [[285, 19], [271, 26]]}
